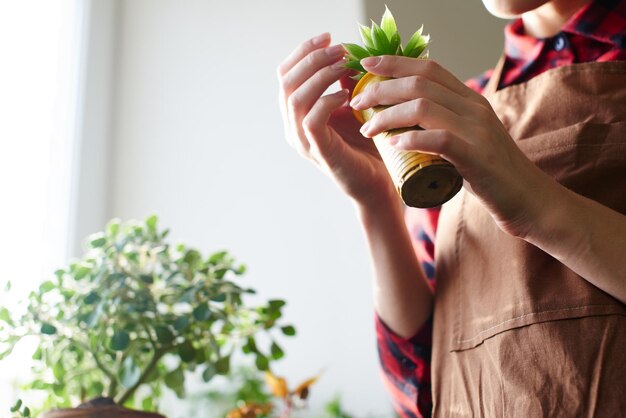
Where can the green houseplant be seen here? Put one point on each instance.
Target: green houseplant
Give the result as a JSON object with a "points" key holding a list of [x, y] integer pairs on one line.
{"points": [[137, 312]]}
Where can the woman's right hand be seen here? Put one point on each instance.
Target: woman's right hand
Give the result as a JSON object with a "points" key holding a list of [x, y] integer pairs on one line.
{"points": [[322, 128]]}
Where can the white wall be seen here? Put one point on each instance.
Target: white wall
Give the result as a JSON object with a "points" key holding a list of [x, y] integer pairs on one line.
{"points": [[198, 139]]}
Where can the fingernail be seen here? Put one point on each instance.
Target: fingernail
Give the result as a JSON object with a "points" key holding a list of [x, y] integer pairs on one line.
{"points": [[355, 101], [339, 65], [320, 39], [336, 51], [370, 61], [365, 127]]}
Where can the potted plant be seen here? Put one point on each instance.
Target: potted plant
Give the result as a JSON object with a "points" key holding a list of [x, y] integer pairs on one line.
{"points": [[137, 312], [422, 180]]}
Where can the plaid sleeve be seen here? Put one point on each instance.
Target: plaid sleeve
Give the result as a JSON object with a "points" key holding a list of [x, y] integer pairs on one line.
{"points": [[405, 362], [405, 369]]}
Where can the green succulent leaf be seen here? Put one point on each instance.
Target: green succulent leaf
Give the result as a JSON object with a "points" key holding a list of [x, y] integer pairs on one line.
{"points": [[356, 51], [383, 40], [381, 43], [373, 51], [388, 24], [355, 65], [416, 44], [366, 36], [395, 44]]}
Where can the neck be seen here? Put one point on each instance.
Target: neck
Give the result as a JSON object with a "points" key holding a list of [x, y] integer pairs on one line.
{"points": [[547, 20]]}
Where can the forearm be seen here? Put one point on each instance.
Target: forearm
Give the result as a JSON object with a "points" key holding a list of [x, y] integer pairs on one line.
{"points": [[403, 297], [586, 236]]}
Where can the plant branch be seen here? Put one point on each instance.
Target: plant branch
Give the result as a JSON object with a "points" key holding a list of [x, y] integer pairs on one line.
{"points": [[149, 369], [145, 327], [101, 366]]}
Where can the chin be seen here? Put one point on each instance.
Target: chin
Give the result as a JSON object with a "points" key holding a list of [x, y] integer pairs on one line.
{"points": [[508, 9]]}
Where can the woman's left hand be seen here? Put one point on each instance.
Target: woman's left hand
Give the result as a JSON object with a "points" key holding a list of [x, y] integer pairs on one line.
{"points": [[460, 125]]}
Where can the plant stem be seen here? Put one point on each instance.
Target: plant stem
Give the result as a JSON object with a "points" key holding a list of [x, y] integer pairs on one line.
{"points": [[101, 366], [149, 369], [112, 387]]}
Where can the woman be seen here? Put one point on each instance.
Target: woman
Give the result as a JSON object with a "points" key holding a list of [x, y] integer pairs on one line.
{"points": [[528, 316]]}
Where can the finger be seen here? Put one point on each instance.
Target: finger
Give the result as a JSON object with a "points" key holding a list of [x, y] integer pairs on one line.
{"points": [[315, 124], [397, 66], [304, 97], [347, 82], [309, 65], [423, 112], [436, 141], [302, 51], [399, 90]]}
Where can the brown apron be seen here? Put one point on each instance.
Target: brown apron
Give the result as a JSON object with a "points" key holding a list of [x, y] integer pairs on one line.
{"points": [[516, 333]]}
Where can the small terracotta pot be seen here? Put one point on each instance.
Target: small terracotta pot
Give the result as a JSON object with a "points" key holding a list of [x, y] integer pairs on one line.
{"points": [[422, 180], [109, 411]]}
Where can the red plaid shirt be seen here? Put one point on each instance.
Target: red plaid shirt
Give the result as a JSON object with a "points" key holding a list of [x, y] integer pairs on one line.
{"points": [[597, 32]]}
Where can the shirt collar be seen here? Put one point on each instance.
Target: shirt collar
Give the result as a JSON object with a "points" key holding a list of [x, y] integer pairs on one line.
{"points": [[601, 20]]}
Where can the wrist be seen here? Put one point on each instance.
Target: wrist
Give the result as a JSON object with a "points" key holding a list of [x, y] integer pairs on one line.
{"points": [[383, 204], [558, 226]]}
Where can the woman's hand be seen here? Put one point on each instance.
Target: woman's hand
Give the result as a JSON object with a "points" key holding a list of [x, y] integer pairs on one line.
{"points": [[460, 125], [322, 128]]}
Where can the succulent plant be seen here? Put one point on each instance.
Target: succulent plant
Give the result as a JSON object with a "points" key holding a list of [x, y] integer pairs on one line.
{"points": [[384, 39]]}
